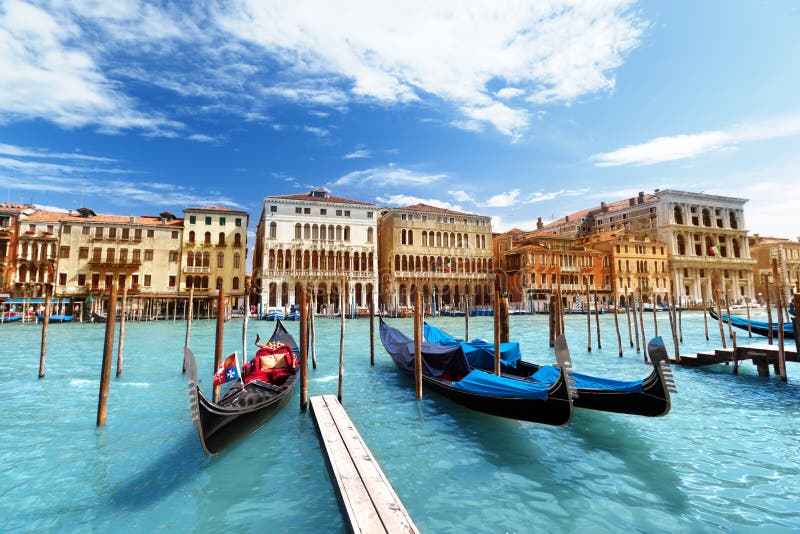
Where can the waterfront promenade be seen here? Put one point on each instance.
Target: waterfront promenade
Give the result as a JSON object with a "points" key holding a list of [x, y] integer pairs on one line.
{"points": [[724, 458]]}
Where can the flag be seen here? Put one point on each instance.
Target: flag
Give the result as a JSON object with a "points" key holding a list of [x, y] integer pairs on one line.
{"points": [[447, 265], [229, 370], [712, 251]]}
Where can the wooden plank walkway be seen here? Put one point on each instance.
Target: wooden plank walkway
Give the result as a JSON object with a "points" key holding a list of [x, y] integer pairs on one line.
{"points": [[366, 496], [761, 354]]}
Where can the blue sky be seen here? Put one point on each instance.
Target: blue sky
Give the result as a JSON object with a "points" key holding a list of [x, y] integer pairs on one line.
{"points": [[514, 110]]}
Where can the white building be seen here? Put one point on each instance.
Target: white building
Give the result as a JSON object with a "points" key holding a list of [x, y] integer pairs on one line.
{"points": [[326, 242]]}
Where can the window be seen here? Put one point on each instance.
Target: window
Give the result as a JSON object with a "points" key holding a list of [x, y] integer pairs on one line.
{"points": [[63, 252], [50, 228], [403, 217], [347, 213], [307, 211], [222, 221], [369, 215], [298, 231], [208, 220], [85, 230], [220, 260], [192, 219], [174, 234], [207, 238], [148, 255], [81, 279], [235, 282], [98, 232], [67, 230], [237, 260], [221, 239], [173, 255], [237, 240], [172, 280], [369, 235], [238, 221], [83, 253], [134, 280], [298, 210], [219, 283], [147, 280], [112, 233], [110, 253], [151, 233], [273, 230], [95, 280], [272, 209], [97, 253], [338, 213], [137, 234], [323, 211], [123, 255], [126, 233]]}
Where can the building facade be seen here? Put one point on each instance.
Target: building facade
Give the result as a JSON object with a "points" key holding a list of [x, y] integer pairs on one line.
{"points": [[326, 242], [704, 234], [787, 253], [444, 253], [10, 215], [36, 254], [214, 251]]}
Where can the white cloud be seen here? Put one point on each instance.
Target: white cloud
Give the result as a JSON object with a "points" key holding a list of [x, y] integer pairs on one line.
{"points": [[358, 154], [388, 175], [538, 196], [407, 200], [510, 92], [17, 151], [502, 200], [461, 196], [685, 146], [316, 130], [203, 138]]}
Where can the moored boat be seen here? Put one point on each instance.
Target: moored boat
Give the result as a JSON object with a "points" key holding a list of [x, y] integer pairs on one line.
{"points": [[266, 387], [757, 327], [649, 396], [447, 371]]}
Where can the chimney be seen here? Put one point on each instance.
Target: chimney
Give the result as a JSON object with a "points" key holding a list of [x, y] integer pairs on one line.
{"points": [[631, 202], [133, 219], [604, 207], [566, 218], [540, 225], [641, 197]]}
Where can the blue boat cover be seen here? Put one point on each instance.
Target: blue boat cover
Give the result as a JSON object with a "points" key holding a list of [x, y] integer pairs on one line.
{"points": [[437, 360], [788, 327], [491, 385], [479, 353], [547, 374]]}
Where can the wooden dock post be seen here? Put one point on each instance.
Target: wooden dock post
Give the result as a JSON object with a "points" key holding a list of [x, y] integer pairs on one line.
{"points": [[121, 345], [628, 314], [641, 325], [616, 322], [747, 307], [496, 333], [45, 324], [551, 319], [304, 346], [705, 317], [728, 311], [588, 316], [779, 303], [769, 313], [680, 319], [636, 308], [313, 331], [219, 337], [672, 321], [371, 330], [655, 317], [797, 321], [719, 318], [340, 389], [189, 323], [108, 347], [504, 332], [597, 319], [466, 318], [418, 343]]}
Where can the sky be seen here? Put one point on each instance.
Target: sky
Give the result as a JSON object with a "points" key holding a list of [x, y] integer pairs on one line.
{"points": [[516, 110]]}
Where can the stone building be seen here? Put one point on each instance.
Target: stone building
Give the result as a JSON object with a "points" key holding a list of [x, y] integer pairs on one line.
{"points": [[214, 250], [10, 215], [704, 234], [323, 241], [787, 253], [34, 261], [445, 253]]}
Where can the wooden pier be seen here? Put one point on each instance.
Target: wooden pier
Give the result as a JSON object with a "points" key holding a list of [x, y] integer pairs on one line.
{"points": [[762, 356], [366, 496]]}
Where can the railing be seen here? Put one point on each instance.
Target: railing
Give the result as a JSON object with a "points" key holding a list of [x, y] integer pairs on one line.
{"points": [[189, 269], [316, 273], [115, 265], [451, 275]]}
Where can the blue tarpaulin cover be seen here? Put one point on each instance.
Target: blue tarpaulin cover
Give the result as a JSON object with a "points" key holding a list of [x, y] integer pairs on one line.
{"points": [[547, 374], [484, 383], [479, 353]]}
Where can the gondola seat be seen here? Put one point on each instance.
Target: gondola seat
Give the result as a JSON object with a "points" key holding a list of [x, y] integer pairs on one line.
{"points": [[273, 365]]}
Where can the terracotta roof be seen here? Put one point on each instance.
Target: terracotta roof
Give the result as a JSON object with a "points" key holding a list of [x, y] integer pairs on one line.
{"points": [[14, 207], [329, 199], [609, 208], [53, 216], [215, 208], [44, 216], [433, 209]]}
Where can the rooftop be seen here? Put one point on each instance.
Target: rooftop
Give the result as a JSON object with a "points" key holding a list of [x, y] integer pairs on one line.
{"points": [[75, 217], [426, 208], [215, 208], [322, 195], [612, 207]]}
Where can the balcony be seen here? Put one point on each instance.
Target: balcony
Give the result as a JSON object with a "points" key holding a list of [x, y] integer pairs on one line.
{"points": [[318, 274], [197, 270], [100, 265]]}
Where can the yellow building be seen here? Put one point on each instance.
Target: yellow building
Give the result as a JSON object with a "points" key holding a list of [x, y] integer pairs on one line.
{"points": [[36, 254], [214, 251], [763, 249], [446, 253]]}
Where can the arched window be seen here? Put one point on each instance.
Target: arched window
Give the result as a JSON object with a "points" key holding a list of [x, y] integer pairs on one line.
{"points": [[220, 260], [678, 215], [396, 262], [338, 233], [737, 253], [330, 232], [203, 282], [237, 260], [190, 260], [191, 236], [206, 259], [681, 245], [710, 249], [235, 282], [222, 238], [307, 231], [733, 222], [207, 239], [219, 283], [189, 282], [411, 237], [369, 235], [298, 231], [315, 232], [403, 236], [706, 217], [323, 231], [347, 233], [273, 230]]}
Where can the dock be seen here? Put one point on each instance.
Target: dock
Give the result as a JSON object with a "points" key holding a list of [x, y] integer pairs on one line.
{"points": [[762, 355], [367, 498]]}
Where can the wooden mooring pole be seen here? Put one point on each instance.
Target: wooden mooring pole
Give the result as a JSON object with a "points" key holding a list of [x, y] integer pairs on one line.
{"points": [[121, 345], [797, 321], [313, 331], [705, 317], [551, 319], [341, 354], [728, 311], [496, 332], [680, 319], [245, 320], [628, 314], [189, 323], [418, 343], [588, 317], [747, 307], [45, 324], [672, 325], [641, 325], [108, 347], [780, 304], [769, 313], [636, 308], [616, 322], [719, 318], [505, 334], [304, 346], [655, 317], [597, 319], [219, 337], [466, 318], [371, 330]]}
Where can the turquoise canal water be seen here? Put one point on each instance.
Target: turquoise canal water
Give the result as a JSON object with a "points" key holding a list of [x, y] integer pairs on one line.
{"points": [[725, 459]]}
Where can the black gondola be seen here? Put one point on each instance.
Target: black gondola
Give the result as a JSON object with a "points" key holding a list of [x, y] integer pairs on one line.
{"points": [[446, 371], [98, 318], [242, 410], [648, 397], [757, 327]]}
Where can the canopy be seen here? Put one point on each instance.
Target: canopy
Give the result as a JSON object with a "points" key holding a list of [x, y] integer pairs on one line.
{"points": [[437, 360], [479, 353], [484, 383], [547, 374]]}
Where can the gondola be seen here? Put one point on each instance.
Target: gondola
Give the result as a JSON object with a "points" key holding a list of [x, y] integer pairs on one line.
{"points": [[648, 397], [242, 410], [757, 327], [446, 371], [98, 318]]}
